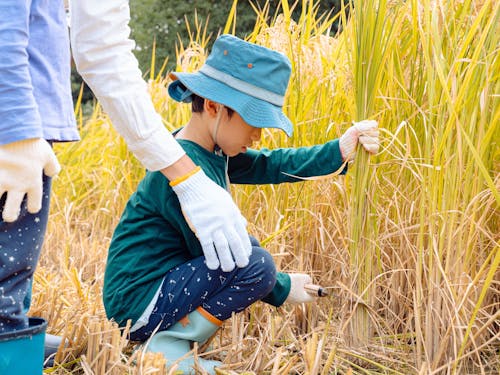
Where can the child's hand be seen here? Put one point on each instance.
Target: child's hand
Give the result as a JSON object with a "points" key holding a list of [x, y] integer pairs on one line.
{"points": [[364, 132], [298, 294]]}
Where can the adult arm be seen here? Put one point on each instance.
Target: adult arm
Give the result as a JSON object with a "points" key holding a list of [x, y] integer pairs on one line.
{"points": [[18, 108], [24, 154], [103, 55]]}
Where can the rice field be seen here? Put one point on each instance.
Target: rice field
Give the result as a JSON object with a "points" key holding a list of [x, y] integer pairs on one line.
{"points": [[407, 242]]}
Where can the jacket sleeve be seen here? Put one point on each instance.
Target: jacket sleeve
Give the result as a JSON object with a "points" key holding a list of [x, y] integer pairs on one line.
{"points": [[286, 164], [103, 56], [18, 108], [281, 290]]}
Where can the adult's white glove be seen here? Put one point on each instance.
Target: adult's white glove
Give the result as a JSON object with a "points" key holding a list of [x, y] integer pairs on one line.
{"points": [[215, 219], [365, 132], [22, 165], [298, 293]]}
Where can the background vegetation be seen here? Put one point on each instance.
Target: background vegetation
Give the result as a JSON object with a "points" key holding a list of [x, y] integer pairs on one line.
{"points": [[408, 242], [167, 25]]}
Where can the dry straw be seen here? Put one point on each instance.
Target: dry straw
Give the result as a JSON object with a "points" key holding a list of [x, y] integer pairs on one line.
{"points": [[424, 213]]}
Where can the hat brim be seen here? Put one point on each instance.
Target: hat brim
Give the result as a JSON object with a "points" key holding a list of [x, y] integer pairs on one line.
{"points": [[256, 112]]}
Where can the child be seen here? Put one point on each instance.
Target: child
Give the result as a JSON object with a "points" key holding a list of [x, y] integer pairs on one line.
{"points": [[156, 273]]}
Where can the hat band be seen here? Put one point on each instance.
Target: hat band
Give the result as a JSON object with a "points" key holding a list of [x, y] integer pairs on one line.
{"points": [[245, 87]]}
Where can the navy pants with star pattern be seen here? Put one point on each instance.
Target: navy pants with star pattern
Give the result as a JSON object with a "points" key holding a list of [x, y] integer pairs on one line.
{"points": [[20, 246], [192, 284]]}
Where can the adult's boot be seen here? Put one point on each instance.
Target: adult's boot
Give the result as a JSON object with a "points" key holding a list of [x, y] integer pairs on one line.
{"points": [[21, 351]]}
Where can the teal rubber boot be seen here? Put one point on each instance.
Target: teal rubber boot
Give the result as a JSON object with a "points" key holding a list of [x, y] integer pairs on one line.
{"points": [[21, 352], [175, 342]]}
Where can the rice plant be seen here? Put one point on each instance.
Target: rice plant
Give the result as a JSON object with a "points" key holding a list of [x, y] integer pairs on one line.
{"points": [[407, 242]]}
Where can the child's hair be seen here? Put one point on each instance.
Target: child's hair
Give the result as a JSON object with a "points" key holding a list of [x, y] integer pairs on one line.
{"points": [[198, 102]]}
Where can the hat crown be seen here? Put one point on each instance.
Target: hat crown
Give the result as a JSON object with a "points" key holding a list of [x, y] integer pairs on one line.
{"points": [[250, 63], [250, 79]]}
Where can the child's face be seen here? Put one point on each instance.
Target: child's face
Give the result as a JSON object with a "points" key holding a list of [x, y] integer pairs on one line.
{"points": [[234, 135]]}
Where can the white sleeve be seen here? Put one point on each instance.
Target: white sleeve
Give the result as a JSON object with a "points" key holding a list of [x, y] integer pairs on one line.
{"points": [[103, 56]]}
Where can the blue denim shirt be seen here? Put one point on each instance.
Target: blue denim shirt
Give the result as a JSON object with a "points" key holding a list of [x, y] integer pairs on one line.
{"points": [[35, 88]]}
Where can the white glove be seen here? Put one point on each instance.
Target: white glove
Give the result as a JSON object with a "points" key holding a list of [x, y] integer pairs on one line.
{"points": [[366, 132], [22, 164], [298, 293], [215, 219]]}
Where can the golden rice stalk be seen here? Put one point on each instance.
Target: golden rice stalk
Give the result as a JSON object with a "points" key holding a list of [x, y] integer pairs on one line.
{"points": [[105, 352], [373, 34]]}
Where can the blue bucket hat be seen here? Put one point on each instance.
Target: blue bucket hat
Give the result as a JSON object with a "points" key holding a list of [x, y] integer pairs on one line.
{"points": [[248, 78]]}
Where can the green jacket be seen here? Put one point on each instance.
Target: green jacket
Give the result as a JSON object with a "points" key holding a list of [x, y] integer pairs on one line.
{"points": [[152, 236]]}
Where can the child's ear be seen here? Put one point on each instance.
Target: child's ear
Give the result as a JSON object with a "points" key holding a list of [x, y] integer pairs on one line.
{"points": [[211, 107]]}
